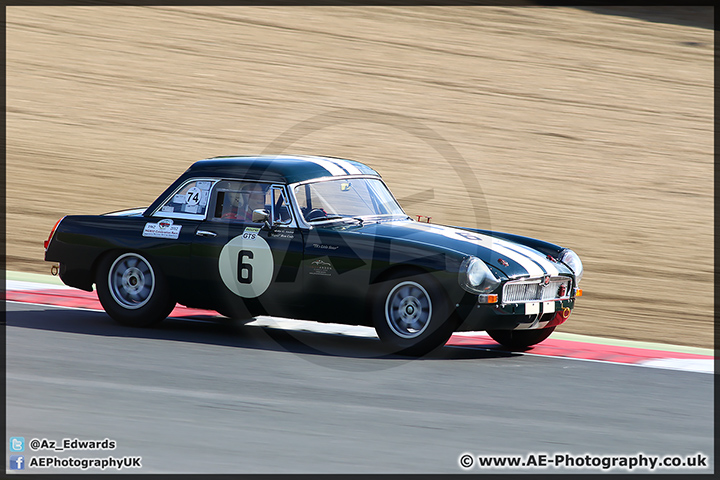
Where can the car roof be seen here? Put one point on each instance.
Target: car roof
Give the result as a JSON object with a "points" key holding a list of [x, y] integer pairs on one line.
{"points": [[278, 168], [282, 169]]}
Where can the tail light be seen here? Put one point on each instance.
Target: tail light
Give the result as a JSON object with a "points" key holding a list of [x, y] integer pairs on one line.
{"points": [[52, 232]]}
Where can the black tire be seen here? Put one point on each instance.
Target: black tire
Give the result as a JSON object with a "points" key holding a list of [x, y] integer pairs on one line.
{"points": [[131, 291], [520, 338], [411, 313]]}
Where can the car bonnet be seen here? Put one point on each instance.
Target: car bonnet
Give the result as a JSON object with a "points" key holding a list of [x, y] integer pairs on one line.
{"points": [[511, 258]]}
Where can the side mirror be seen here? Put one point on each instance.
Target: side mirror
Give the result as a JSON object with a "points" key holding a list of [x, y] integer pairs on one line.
{"points": [[262, 216]]}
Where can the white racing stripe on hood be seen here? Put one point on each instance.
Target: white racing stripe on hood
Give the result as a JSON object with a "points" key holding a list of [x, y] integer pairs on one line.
{"points": [[529, 260], [527, 263], [331, 167], [546, 264]]}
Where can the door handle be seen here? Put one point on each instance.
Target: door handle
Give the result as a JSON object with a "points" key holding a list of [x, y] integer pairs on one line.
{"points": [[205, 233]]}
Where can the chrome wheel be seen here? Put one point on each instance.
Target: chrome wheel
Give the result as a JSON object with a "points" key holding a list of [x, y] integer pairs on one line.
{"points": [[408, 309], [131, 280]]}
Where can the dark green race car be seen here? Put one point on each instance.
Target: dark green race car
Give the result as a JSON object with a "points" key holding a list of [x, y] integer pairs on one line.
{"points": [[314, 238]]}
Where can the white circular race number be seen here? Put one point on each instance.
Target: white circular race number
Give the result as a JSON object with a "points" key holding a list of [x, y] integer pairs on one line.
{"points": [[193, 196], [246, 265]]}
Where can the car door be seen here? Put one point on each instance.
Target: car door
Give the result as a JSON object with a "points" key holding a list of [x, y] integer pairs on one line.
{"points": [[336, 262], [250, 267]]}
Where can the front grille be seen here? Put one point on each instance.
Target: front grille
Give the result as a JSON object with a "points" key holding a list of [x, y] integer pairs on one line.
{"points": [[535, 290]]}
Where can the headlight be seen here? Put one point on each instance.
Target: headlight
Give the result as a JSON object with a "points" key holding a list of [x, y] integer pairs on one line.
{"points": [[476, 277], [571, 259]]}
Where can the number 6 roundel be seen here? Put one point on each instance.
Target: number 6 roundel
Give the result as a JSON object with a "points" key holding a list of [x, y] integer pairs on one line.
{"points": [[246, 265]]}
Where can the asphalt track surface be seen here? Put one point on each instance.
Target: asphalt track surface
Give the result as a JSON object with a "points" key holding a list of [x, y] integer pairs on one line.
{"points": [[215, 397]]}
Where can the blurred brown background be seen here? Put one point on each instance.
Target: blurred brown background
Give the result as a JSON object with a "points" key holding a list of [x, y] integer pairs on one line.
{"points": [[588, 127]]}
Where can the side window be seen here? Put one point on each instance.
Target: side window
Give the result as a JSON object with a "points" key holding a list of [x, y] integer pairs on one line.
{"points": [[281, 208], [191, 200], [235, 200]]}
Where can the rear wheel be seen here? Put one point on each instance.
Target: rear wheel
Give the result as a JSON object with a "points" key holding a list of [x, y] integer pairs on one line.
{"points": [[520, 338], [131, 291], [412, 315]]}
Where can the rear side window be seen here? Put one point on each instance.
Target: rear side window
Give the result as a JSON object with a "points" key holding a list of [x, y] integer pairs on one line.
{"points": [[190, 201]]}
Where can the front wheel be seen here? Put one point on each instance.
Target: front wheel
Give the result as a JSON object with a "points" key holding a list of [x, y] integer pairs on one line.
{"points": [[131, 291], [520, 338], [412, 315]]}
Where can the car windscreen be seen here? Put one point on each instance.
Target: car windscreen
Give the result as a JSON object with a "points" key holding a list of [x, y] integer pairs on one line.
{"points": [[356, 197]]}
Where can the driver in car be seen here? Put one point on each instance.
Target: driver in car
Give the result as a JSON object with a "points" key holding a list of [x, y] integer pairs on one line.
{"points": [[251, 197]]}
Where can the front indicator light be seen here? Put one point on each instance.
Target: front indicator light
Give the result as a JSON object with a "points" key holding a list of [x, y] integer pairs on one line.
{"points": [[487, 298], [578, 292]]}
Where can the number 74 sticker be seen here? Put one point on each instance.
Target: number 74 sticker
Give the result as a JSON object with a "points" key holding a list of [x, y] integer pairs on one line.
{"points": [[246, 264]]}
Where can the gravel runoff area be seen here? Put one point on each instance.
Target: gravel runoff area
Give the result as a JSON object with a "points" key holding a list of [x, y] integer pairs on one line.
{"points": [[591, 128]]}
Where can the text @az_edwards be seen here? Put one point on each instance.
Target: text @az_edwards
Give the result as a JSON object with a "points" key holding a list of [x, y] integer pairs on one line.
{"points": [[44, 444], [585, 461]]}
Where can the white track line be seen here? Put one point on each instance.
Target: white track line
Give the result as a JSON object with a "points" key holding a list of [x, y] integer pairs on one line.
{"points": [[22, 285]]}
